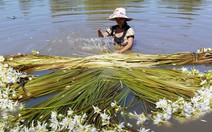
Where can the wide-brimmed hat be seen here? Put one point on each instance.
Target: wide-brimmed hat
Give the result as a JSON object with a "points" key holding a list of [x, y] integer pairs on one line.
{"points": [[119, 13]]}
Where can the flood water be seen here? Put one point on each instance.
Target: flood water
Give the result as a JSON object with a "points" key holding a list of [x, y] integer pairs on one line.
{"points": [[69, 28]]}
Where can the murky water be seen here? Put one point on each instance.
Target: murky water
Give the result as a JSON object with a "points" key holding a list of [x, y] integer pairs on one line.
{"points": [[69, 28]]}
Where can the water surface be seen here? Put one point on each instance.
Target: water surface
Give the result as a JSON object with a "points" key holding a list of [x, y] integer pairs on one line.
{"points": [[66, 27]]}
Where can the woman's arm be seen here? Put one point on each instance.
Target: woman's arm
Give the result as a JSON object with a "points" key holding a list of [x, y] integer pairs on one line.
{"points": [[128, 46]]}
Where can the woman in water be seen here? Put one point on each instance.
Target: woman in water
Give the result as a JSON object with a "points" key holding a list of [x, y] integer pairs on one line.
{"points": [[122, 33]]}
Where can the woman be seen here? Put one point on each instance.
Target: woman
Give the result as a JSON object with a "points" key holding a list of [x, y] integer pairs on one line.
{"points": [[122, 33]]}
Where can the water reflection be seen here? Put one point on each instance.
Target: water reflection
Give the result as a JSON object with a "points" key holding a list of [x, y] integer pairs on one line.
{"points": [[181, 9], [87, 7], [64, 5], [108, 5], [186, 5], [99, 12], [27, 5]]}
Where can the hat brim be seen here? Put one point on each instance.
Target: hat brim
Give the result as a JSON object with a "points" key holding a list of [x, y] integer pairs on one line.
{"points": [[114, 18], [125, 17]]}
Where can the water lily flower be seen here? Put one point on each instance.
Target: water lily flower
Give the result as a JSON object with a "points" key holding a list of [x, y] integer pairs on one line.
{"points": [[183, 69], [41, 127], [142, 129], [54, 121], [157, 119], [96, 110], [70, 112], [2, 58], [120, 126], [113, 104], [84, 128], [162, 103], [77, 119], [105, 116]]}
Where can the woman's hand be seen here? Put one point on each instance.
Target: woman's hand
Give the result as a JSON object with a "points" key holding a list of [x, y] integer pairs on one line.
{"points": [[118, 51], [100, 34]]}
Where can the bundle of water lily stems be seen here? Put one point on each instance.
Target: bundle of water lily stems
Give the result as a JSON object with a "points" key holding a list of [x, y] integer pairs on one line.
{"points": [[129, 79], [31, 62]]}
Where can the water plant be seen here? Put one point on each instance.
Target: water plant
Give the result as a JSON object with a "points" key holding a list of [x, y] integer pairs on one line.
{"points": [[101, 92]]}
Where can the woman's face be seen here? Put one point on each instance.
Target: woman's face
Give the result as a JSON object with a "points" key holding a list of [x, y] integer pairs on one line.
{"points": [[120, 21]]}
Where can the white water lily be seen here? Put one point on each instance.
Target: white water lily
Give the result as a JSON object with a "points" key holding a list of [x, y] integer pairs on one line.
{"points": [[54, 121], [3, 66], [175, 107], [83, 128], [2, 58], [54, 125], [114, 104], [162, 103], [105, 116], [196, 99], [142, 129], [8, 75], [205, 93], [140, 118], [187, 109], [41, 127], [31, 129], [53, 115], [96, 110], [183, 69], [77, 119], [35, 52], [15, 129], [118, 108], [203, 82], [70, 112], [158, 118], [67, 123], [120, 127]]}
